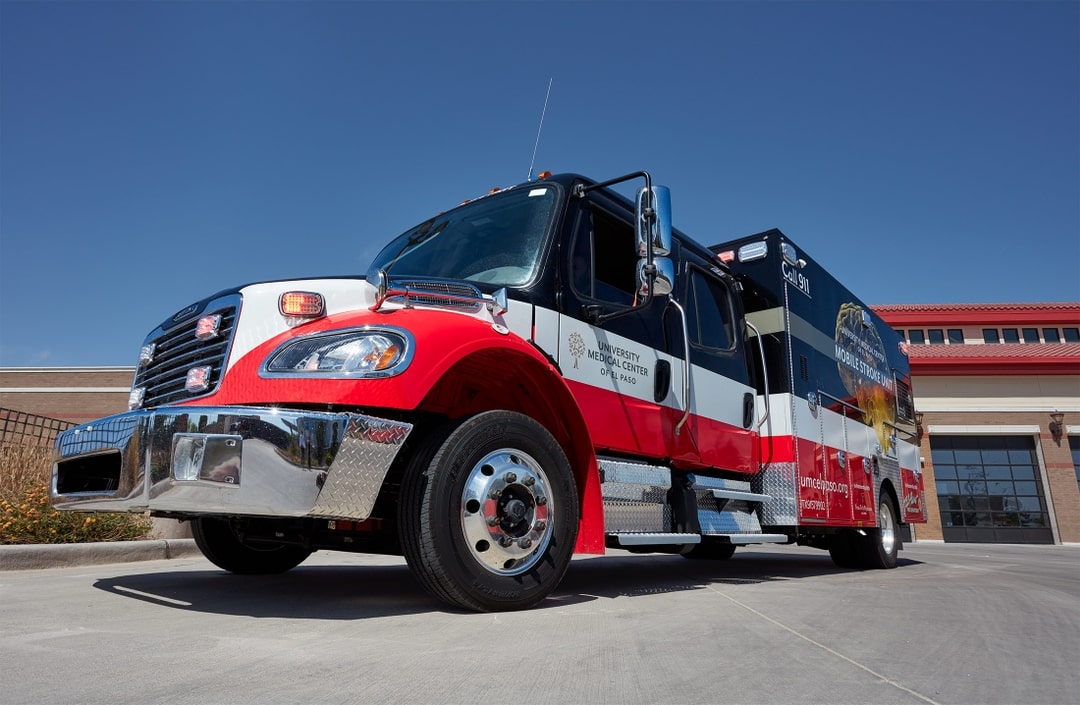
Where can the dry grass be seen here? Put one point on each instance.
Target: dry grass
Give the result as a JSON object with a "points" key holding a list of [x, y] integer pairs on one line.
{"points": [[27, 517]]}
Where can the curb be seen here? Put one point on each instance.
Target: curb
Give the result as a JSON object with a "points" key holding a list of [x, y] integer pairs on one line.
{"points": [[38, 556]]}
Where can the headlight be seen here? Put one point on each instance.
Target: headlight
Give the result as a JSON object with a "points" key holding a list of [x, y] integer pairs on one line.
{"points": [[353, 353]]}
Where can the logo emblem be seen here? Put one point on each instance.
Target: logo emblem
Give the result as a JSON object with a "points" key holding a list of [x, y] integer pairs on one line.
{"points": [[186, 312], [577, 347]]}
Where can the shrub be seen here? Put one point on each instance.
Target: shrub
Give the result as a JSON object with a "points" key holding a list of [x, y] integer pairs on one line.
{"points": [[27, 517]]}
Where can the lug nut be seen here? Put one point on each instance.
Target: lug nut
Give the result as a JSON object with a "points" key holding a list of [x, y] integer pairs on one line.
{"points": [[540, 525], [541, 501], [492, 520], [524, 542], [505, 541], [510, 477], [529, 481], [494, 494]]}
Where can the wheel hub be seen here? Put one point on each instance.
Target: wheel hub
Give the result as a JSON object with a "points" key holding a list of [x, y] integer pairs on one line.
{"points": [[506, 512]]}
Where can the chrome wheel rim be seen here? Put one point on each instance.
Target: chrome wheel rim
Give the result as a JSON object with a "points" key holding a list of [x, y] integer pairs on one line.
{"points": [[506, 512], [887, 528]]}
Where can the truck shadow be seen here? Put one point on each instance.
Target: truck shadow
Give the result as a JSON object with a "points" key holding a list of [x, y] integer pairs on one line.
{"points": [[349, 592]]}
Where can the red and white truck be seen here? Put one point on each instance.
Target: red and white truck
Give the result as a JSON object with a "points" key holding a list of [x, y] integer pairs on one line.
{"points": [[549, 369]]}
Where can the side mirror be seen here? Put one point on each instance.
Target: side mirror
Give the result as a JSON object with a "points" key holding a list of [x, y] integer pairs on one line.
{"points": [[665, 276], [653, 221], [378, 279]]}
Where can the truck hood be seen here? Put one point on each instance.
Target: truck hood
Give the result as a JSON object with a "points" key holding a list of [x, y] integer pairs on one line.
{"points": [[261, 320]]}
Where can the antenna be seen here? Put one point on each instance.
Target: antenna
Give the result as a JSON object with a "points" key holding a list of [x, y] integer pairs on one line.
{"points": [[542, 113]]}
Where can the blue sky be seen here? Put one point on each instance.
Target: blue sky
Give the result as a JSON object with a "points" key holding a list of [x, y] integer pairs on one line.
{"points": [[152, 153]]}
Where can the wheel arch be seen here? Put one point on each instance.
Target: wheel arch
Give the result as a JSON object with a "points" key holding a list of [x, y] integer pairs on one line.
{"points": [[886, 489], [531, 385]]}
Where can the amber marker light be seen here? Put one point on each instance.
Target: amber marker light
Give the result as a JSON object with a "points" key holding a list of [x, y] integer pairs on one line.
{"points": [[300, 306], [543, 175], [726, 256]]}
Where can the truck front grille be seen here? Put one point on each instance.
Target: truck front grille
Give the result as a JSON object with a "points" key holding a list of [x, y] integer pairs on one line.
{"points": [[177, 350]]}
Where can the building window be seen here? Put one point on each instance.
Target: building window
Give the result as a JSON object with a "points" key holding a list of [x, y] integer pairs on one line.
{"points": [[1031, 335], [1072, 335], [1074, 446], [1050, 335], [956, 336], [916, 337], [1010, 335], [937, 336], [990, 335], [989, 489]]}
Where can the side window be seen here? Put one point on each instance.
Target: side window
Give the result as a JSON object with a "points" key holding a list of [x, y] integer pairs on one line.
{"points": [[709, 312], [603, 262]]}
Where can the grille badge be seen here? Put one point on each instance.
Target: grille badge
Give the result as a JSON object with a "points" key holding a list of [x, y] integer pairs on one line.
{"points": [[186, 312]]}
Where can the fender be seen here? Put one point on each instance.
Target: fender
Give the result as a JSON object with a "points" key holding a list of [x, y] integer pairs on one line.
{"points": [[461, 365]]}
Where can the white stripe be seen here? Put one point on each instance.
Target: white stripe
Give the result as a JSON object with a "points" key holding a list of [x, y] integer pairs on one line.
{"points": [[987, 430], [64, 390]]}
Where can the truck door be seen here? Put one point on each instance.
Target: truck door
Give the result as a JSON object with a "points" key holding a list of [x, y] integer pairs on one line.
{"points": [[619, 371], [721, 423]]}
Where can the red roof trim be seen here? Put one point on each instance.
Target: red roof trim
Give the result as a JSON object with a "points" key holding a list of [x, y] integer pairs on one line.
{"points": [[1015, 359]]}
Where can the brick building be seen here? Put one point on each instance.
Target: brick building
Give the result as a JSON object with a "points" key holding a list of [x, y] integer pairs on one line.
{"points": [[75, 394], [997, 394], [996, 387]]}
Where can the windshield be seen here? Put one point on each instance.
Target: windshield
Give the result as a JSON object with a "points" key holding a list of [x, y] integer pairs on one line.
{"points": [[495, 240]]}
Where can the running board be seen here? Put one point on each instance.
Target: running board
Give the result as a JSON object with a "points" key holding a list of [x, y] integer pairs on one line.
{"points": [[654, 539], [672, 539], [743, 539]]}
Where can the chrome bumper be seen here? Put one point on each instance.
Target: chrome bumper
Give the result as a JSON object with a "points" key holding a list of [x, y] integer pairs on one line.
{"points": [[226, 460]]}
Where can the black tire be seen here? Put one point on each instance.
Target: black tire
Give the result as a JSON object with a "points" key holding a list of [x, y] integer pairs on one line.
{"points": [[710, 551], [489, 513], [219, 543], [880, 546], [843, 549]]}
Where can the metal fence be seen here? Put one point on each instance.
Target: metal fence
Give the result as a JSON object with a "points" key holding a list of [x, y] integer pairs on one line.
{"points": [[21, 428]]}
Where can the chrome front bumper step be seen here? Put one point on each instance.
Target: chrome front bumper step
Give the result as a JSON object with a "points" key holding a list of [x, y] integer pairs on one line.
{"points": [[189, 460]]}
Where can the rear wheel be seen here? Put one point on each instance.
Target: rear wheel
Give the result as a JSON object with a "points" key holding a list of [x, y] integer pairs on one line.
{"points": [[881, 545], [843, 549], [711, 551], [220, 543], [489, 513]]}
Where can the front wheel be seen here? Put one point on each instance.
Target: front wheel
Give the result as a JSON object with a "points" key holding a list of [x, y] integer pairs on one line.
{"points": [[489, 513], [220, 543]]}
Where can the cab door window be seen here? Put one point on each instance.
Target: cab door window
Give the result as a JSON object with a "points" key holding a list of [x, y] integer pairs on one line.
{"points": [[603, 262], [709, 313]]}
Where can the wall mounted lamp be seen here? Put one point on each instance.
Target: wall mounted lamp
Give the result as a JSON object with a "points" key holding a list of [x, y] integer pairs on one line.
{"points": [[918, 427], [1057, 426]]}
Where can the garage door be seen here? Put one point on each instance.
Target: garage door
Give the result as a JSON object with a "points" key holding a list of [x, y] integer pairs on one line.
{"points": [[989, 490]]}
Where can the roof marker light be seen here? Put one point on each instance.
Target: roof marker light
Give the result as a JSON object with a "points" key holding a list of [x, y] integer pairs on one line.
{"points": [[753, 250], [726, 256]]}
